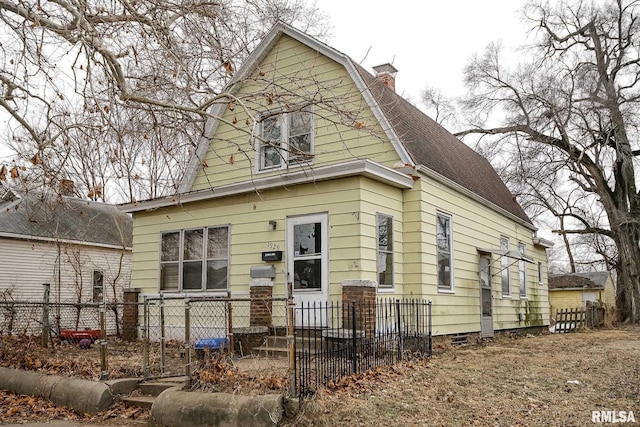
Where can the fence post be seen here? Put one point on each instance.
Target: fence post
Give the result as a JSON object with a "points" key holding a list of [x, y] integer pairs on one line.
{"points": [[145, 338], [430, 348], [291, 339], [45, 316], [230, 323], [162, 336], [187, 340], [399, 329], [354, 353], [104, 365]]}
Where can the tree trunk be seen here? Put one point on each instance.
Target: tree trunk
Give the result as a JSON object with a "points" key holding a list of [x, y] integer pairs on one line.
{"points": [[628, 280]]}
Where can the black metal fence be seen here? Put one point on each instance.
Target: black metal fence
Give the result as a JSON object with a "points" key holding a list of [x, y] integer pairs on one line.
{"points": [[338, 339]]}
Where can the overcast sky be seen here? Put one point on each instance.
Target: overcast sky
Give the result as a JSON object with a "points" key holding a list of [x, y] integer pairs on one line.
{"points": [[428, 41]]}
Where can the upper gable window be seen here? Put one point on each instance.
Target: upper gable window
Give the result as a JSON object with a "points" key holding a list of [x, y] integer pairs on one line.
{"points": [[286, 138]]}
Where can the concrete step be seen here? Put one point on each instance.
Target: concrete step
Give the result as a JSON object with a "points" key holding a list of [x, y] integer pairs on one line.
{"points": [[147, 391], [139, 401], [154, 388]]}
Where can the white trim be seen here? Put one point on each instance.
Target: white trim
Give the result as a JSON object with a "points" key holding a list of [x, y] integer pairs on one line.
{"points": [[285, 148], [539, 241], [451, 288], [366, 168], [65, 241], [506, 268], [380, 215], [463, 190]]}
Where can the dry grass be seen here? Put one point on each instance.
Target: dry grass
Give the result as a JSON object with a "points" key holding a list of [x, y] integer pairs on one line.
{"points": [[509, 382]]}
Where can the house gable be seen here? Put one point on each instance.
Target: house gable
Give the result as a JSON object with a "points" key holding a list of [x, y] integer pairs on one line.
{"points": [[291, 70]]}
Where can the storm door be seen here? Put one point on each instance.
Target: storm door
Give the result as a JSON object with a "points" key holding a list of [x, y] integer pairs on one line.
{"points": [[307, 267], [486, 298]]}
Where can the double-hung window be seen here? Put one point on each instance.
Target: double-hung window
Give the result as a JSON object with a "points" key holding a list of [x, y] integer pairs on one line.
{"points": [[195, 259], [522, 269], [540, 281], [384, 225], [286, 138], [505, 263], [443, 244], [98, 286]]}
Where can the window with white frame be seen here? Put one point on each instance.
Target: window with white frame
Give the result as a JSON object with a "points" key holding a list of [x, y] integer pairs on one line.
{"points": [[522, 270], [443, 248], [98, 286], [195, 259], [384, 226], [539, 273], [286, 138], [505, 262]]}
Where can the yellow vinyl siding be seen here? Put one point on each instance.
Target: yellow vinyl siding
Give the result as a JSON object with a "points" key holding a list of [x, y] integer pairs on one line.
{"points": [[351, 204], [474, 225], [565, 299], [344, 126], [609, 294]]}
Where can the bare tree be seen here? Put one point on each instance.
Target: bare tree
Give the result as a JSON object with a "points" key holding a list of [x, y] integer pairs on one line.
{"points": [[570, 114], [114, 93]]}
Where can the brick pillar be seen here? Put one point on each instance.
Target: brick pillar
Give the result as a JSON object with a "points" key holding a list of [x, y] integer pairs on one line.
{"points": [[363, 293], [130, 314], [261, 294]]}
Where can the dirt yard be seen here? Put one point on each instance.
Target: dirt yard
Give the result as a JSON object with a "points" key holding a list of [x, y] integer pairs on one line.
{"points": [[523, 381]]}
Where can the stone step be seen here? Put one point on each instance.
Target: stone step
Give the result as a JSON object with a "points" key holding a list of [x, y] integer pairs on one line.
{"points": [[271, 351], [139, 401]]}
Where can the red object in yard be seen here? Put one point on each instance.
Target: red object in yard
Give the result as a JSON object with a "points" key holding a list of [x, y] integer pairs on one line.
{"points": [[69, 334]]}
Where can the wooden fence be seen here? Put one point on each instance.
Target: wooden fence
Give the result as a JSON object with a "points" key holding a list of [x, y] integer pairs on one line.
{"points": [[573, 319]]}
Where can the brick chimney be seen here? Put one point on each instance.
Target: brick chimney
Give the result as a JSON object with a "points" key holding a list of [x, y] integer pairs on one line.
{"points": [[67, 187], [386, 73]]}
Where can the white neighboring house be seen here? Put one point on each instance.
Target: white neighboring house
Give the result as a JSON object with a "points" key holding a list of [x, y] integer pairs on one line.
{"points": [[81, 248]]}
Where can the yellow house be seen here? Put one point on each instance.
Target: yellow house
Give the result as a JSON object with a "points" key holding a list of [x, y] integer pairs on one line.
{"points": [[313, 171], [576, 289]]}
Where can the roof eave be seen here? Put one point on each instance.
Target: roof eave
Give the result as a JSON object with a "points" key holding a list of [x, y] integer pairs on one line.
{"points": [[539, 241], [31, 237], [589, 288], [366, 168]]}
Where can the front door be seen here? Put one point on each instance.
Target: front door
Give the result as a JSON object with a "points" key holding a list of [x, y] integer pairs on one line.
{"points": [[486, 299], [307, 267]]}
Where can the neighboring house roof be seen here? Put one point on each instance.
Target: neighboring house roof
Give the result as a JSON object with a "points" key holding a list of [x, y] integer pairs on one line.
{"points": [[419, 141], [68, 219], [595, 280]]}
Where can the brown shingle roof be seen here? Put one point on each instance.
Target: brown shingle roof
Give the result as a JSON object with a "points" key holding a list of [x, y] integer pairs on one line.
{"points": [[595, 280], [431, 145]]}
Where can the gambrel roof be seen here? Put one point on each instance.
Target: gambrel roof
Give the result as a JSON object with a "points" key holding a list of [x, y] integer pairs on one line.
{"points": [[435, 149], [64, 219], [421, 143]]}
